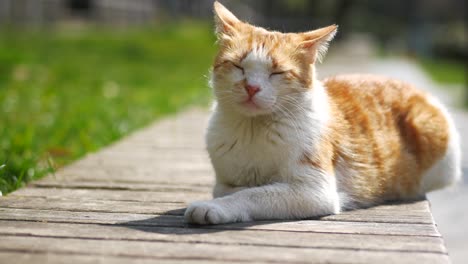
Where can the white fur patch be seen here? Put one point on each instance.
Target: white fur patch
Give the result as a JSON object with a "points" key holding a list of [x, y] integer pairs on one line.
{"points": [[446, 171]]}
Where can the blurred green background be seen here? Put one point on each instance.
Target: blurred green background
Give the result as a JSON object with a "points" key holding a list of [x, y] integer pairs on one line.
{"points": [[67, 92], [76, 75]]}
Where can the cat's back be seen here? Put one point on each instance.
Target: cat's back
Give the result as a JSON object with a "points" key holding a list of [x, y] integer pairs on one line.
{"points": [[405, 134], [366, 89]]}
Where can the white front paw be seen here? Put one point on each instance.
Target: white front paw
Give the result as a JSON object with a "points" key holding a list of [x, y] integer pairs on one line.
{"points": [[208, 212]]}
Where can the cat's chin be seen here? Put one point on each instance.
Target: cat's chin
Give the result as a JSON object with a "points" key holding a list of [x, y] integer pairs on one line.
{"points": [[249, 108]]}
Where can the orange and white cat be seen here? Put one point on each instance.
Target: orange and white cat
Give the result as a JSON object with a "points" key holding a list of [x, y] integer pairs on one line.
{"points": [[285, 145]]}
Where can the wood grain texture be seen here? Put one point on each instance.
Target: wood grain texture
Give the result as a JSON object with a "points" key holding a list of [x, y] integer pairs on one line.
{"points": [[173, 219], [203, 251], [21, 257], [125, 204], [408, 214], [112, 195], [232, 237], [120, 185]]}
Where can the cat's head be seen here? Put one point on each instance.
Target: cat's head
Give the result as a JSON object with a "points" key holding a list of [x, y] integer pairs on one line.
{"points": [[257, 71]]}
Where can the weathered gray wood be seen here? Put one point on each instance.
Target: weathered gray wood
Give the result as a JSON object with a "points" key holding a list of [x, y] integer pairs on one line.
{"points": [[174, 196], [149, 164], [27, 257], [113, 185], [162, 166], [152, 157], [87, 205], [151, 153], [113, 195], [142, 174], [89, 217], [413, 213], [208, 251], [183, 132], [133, 219], [232, 237], [397, 213]]}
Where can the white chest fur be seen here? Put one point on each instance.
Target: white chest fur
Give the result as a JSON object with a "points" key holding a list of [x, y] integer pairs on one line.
{"points": [[248, 151]]}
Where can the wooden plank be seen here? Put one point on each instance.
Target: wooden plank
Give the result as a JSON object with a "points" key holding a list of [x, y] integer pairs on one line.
{"points": [[132, 219], [89, 217], [112, 185], [88, 205], [52, 258], [174, 196], [113, 195], [181, 131], [160, 153], [164, 141], [232, 237], [203, 251], [27, 257], [411, 213], [137, 174], [146, 155], [149, 164], [415, 212]]}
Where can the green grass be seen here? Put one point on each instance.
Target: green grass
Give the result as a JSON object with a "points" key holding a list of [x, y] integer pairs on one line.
{"points": [[445, 71], [63, 94]]}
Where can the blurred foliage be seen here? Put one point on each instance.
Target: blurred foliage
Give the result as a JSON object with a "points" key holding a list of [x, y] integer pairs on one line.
{"points": [[445, 71], [67, 92]]}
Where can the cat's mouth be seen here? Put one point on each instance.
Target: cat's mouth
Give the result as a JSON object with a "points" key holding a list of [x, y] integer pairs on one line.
{"points": [[250, 104], [252, 107]]}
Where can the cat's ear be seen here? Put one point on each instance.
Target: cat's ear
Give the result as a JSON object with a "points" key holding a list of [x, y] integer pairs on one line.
{"points": [[315, 43], [225, 21]]}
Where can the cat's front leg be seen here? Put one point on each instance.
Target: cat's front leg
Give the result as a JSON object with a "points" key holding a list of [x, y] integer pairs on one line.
{"points": [[297, 200]]}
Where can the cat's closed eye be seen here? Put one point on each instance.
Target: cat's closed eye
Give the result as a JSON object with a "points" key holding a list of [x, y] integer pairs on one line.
{"points": [[238, 67], [277, 73]]}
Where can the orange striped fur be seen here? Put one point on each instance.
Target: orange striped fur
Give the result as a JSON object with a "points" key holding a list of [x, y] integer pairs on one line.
{"points": [[393, 132]]}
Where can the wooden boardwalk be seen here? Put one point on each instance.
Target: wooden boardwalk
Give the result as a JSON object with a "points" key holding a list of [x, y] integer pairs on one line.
{"points": [[125, 204]]}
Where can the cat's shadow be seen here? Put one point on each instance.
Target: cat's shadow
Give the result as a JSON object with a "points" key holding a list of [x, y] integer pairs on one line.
{"points": [[172, 222]]}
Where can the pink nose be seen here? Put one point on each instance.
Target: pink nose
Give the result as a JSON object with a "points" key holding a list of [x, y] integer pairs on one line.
{"points": [[252, 89]]}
